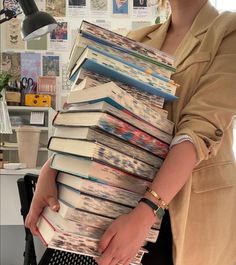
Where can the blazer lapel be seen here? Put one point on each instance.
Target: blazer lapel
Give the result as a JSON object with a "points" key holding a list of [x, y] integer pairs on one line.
{"points": [[200, 25]]}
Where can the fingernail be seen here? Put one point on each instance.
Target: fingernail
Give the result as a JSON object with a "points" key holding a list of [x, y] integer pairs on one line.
{"points": [[54, 207]]}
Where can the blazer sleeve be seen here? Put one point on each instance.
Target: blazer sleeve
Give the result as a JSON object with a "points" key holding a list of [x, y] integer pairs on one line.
{"points": [[212, 108]]}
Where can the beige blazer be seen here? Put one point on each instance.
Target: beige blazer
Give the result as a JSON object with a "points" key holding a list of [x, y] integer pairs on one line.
{"points": [[203, 214]]}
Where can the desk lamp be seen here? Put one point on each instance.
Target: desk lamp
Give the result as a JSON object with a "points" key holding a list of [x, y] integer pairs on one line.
{"points": [[36, 23]]}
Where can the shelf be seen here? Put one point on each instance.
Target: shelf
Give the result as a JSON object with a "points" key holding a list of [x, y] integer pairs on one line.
{"points": [[42, 128], [19, 171], [15, 149], [26, 108]]}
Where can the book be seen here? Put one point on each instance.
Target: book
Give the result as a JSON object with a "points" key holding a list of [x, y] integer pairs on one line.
{"points": [[82, 42], [126, 44], [68, 212], [100, 152], [90, 203], [151, 100], [94, 60], [105, 107], [86, 228], [100, 190], [90, 169], [91, 134], [52, 236], [85, 83], [113, 126], [114, 95]]}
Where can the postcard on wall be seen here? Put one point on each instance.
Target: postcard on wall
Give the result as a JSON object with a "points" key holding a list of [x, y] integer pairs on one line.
{"points": [[141, 9], [57, 8], [78, 8], [30, 65], [59, 37], [51, 65], [120, 7], [46, 85], [99, 8], [102, 23], [12, 35], [38, 44], [11, 64], [140, 24], [66, 83]]}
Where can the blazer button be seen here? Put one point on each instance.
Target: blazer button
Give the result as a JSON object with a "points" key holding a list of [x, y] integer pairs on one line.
{"points": [[218, 132]]}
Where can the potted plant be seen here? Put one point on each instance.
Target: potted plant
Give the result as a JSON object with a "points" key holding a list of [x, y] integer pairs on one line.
{"points": [[4, 79], [5, 124]]}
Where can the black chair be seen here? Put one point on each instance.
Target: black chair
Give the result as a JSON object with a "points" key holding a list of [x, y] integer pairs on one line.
{"points": [[26, 187]]}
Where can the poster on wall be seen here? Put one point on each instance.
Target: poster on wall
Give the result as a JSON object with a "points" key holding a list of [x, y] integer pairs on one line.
{"points": [[31, 65], [77, 8], [120, 7], [12, 35], [66, 83], [11, 64], [51, 65], [99, 8], [57, 8], [141, 9], [140, 24], [38, 44], [59, 37]]}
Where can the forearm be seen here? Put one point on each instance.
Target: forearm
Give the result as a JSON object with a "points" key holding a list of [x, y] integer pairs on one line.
{"points": [[173, 174], [175, 171], [47, 172]]}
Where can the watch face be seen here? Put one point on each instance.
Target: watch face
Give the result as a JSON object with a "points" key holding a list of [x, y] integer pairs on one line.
{"points": [[159, 212]]}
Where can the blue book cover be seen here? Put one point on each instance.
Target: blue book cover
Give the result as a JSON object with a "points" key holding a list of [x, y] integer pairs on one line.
{"points": [[126, 74]]}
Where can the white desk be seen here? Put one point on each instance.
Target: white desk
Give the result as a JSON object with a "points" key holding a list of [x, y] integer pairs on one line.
{"points": [[9, 197]]}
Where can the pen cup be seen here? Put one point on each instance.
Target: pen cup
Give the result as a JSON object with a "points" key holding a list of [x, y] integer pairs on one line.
{"points": [[28, 145]]}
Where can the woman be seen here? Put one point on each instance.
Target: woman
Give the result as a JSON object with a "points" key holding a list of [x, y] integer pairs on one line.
{"points": [[198, 177]]}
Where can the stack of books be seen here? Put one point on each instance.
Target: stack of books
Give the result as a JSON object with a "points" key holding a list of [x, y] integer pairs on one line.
{"points": [[110, 139]]}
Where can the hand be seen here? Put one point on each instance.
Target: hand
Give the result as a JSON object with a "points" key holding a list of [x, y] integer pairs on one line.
{"points": [[44, 195], [124, 237]]}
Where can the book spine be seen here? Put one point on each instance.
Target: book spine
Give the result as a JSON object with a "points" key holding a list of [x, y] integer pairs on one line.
{"points": [[83, 245], [99, 190], [148, 99], [127, 148], [102, 173], [124, 162], [125, 44], [133, 135], [166, 87], [92, 204], [131, 60], [140, 110], [97, 221], [157, 133]]}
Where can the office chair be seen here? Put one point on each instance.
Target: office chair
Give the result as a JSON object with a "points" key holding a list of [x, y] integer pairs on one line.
{"points": [[26, 187]]}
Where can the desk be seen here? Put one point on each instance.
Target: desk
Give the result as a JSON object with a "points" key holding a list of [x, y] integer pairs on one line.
{"points": [[9, 197], [12, 239]]}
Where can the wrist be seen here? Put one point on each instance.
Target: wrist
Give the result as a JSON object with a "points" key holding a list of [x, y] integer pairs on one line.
{"points": [[145, 214]]}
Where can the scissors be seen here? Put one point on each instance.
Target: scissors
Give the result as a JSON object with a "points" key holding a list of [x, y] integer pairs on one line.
{"points": [[27, 83]]}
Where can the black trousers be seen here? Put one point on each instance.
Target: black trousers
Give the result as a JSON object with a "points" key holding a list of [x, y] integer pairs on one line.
{"points": [[160, 253]]}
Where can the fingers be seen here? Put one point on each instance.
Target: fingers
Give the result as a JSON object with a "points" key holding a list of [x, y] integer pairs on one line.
{"points": [[53, 203], [35, 211], [32, 218], [105, 239]]}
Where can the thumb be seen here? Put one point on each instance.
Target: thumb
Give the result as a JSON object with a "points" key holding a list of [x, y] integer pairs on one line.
{"points": [[105, 239], [53, 203]]}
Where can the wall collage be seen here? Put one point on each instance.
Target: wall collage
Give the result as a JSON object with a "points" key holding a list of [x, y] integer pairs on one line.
{"points": [[48, 56]]}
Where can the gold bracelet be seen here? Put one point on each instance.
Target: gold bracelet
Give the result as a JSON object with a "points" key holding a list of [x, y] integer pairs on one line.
{"points": [[161, 202]]}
